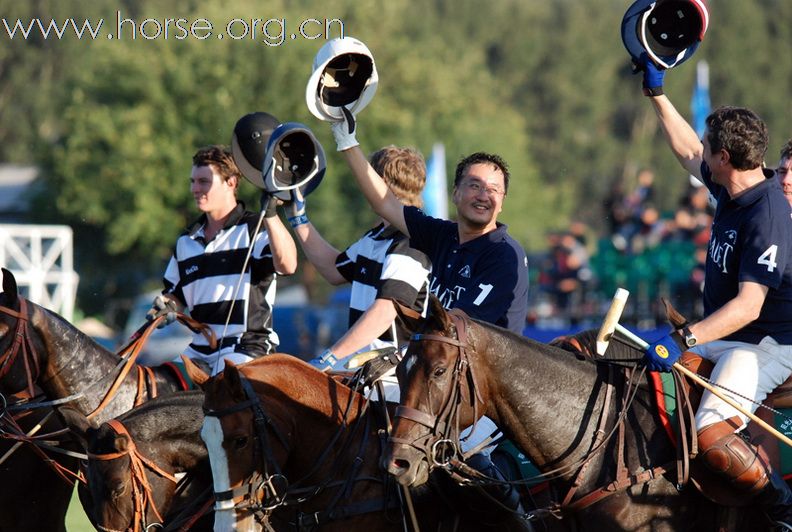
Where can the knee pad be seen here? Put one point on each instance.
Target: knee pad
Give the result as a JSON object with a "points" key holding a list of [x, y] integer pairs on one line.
{"points": [[732, 458]]}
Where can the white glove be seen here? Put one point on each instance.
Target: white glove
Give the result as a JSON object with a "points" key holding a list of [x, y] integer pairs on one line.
{"points": [[345, 138]]}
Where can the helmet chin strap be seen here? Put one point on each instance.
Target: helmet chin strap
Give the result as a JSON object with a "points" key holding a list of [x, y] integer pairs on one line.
{"points": [[350, 118]]}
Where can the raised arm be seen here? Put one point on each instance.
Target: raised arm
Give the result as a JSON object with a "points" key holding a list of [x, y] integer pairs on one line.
{"points": [[377, 193], [319, 252], [681, 137], [284, 252]]}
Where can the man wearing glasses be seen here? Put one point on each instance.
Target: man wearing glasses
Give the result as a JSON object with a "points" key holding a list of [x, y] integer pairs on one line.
{"points": [[476, 265]]}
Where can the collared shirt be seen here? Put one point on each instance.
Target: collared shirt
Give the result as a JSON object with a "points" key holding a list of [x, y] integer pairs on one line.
{"points": [[487, 277], [751, 241], [204, 276], [382, 265]]}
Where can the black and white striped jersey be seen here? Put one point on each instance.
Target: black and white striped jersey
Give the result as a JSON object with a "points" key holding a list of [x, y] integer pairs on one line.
{"points": [[204, 276], [382, 265]]}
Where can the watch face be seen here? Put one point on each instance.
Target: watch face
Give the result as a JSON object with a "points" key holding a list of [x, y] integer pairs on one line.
{"points": [[690, 341]]}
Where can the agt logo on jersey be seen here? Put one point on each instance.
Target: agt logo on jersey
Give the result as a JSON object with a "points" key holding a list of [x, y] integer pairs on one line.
{"points": [[720, 251], [446, 296], [465, 271]]}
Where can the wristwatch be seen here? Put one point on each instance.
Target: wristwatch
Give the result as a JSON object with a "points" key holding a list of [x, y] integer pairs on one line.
{"points": [[690, 338]]}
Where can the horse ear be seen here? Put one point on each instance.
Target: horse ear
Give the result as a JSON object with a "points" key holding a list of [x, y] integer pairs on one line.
{"points": [[79, 425], [674, 317], [234, 380], [437, 316], [410, 318], [10, 286], [198, 376]]}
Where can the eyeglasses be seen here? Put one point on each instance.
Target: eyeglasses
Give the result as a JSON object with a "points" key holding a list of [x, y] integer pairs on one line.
{"points": [[475, 187]]}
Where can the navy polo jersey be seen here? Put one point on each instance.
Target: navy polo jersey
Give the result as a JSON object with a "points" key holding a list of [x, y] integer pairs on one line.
{"points": [[486, 277], [751, 241]]}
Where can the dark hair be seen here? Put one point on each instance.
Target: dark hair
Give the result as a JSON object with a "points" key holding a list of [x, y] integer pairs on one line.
{"points": [[482, 158], [403, 170], [740, 132], [221, 158], [786, 151]]}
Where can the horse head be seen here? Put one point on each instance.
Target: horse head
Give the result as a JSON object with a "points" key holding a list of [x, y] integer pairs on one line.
{"points": [[126, 489], [438, 395], [246, 449]]}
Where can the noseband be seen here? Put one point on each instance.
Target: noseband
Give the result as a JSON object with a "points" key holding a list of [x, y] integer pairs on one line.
{"points": [[275, 484], [439, 445], [21, 344]]}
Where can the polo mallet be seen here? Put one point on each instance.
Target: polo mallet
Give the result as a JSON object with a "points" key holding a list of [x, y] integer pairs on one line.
{"points": [[611, 320], [608, 329]]}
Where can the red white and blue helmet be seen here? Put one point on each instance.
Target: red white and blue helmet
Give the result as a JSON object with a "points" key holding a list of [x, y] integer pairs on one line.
{"points": [[294, 159], [343, 75], [669, 31]]}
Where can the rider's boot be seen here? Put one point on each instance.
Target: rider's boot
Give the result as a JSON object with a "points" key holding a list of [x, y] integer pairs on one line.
{"points": [[506, 498], [731, 457]]}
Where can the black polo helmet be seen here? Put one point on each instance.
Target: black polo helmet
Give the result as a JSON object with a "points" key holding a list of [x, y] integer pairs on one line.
{"points": [[249, 144], [294, 158]]}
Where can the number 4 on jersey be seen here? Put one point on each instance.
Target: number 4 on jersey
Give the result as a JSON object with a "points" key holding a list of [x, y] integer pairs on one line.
{"points": [[768, 258]]}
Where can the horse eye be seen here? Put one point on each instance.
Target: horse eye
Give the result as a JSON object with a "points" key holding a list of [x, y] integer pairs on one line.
{"points": [[240, 442], [438, 372]]}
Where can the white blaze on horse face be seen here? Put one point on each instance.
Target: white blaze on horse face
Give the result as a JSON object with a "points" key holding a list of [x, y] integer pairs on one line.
{"points": [[409, 362], [212, 435]]}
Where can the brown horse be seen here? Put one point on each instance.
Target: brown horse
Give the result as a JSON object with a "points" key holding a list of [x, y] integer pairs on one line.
{"points": [[285, 436], [592, 430], [134, 462], [40, 352]]}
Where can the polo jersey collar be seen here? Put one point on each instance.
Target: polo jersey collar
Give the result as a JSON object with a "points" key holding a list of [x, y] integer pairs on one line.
{"points": [[480, 243], [757, 191], [233, 219]]}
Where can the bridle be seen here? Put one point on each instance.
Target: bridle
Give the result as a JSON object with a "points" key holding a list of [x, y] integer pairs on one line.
{"points": [[270, 479], [141, 489], [21, 344], [439, 444]]}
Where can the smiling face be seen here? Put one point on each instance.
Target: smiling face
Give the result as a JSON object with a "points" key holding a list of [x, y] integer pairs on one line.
{"points": [[213, 195], [479, 196]]}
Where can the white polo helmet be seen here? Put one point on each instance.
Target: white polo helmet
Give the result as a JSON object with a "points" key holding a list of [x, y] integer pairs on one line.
{"points": [[294, 158], [343, 75]]}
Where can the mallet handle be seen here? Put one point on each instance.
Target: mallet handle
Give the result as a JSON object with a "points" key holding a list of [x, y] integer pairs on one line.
{"points": [[611, 320]]}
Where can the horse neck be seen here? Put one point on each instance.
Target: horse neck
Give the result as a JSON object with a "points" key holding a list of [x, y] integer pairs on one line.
{"points": [[168, 429], [521, 383], [72, 363], [323, 413]]}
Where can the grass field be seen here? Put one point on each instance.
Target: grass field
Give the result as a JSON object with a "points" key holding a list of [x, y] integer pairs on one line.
{"points": [[76, 521]]}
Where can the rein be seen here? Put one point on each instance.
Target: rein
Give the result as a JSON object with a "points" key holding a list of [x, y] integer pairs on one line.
{"points": [[141, 489], [291, 494]]}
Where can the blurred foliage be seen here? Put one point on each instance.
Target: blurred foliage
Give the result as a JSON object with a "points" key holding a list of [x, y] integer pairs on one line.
{"points": [[113, 123]]}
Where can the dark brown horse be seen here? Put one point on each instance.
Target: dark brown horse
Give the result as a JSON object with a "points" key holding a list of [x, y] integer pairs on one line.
{"points": [[595, 431], [41, 353], [310, 446], [135, 461]]}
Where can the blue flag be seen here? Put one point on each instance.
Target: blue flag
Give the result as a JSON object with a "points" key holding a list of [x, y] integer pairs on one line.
{"points": [[435, 193], [700, 102]]}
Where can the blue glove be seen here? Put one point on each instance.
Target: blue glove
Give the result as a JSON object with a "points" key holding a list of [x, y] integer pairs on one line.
{"points": [[324, 362], [652, 75], [295, 210], [662, 354]]}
